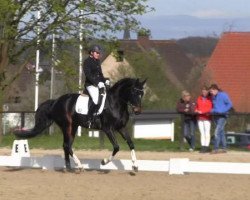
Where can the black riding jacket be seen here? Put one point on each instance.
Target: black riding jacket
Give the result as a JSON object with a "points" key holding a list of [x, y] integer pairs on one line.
{"points": [[93, 72]]}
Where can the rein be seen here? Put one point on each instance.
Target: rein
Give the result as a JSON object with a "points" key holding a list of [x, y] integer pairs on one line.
{"points": [[128, 103], [138, 89]]}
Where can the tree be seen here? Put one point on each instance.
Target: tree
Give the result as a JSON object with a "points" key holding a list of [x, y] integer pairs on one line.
{"points": [[21, 28], [144, 32], [160, 92]]}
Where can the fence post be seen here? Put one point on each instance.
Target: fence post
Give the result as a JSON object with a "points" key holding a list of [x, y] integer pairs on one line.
{"points": [[101, 139], [22, 119]]}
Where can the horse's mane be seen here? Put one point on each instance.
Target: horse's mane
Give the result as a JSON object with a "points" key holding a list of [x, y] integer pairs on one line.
{"points": [[123, 82]]}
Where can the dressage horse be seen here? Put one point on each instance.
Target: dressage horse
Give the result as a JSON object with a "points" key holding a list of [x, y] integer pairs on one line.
{"points": [[124, 93]]}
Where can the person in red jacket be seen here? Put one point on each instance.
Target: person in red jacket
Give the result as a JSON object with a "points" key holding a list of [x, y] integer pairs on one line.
{"points": [[203, 108]]}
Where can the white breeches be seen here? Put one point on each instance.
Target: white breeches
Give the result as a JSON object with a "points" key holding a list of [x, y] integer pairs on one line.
{"points": [[94, 93], [204, 128]]}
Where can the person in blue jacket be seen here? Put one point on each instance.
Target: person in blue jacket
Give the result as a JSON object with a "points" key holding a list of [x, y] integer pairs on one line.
{"points": [[221, 106]]}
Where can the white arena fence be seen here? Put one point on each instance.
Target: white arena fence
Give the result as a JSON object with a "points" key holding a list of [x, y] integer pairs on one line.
{"points": [[21, 157]]}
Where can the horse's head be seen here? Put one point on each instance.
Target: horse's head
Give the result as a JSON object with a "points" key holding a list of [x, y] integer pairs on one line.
{"points": [[130, 92], [135, 96]]}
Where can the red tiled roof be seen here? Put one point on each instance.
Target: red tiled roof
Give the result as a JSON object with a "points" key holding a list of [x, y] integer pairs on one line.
{"points": [[229, 67]]}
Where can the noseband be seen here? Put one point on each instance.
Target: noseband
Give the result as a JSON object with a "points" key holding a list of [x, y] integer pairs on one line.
{"points": [[128, 103]]}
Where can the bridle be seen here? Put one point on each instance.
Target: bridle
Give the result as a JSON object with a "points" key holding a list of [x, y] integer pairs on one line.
{"points": [[128, 102]]}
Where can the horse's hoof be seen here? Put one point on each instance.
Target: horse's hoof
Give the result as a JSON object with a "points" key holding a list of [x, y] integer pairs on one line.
{"points": [[68, 169], [65, 170], [135, 168], [103, 162], [79, 170]]}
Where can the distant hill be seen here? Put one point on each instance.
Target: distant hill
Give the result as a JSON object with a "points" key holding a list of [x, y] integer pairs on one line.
{"points": [[181, 26]]}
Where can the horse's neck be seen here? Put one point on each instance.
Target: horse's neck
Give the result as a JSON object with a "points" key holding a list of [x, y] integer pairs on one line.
{"points": [[117, 103]]}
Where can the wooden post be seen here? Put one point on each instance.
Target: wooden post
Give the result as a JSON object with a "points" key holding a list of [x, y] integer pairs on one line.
{"points": [[101, 139], [22, 119]]}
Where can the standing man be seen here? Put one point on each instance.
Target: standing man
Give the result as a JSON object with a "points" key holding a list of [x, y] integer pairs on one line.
{"points": [[221, 106], [94, 80]]}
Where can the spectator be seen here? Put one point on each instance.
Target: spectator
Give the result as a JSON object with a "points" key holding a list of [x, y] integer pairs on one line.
{"points": [[203, 109], [221, 106], [187, 107]]}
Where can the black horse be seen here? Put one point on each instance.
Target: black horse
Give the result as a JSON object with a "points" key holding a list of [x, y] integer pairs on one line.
{"points": [[126, 92]]}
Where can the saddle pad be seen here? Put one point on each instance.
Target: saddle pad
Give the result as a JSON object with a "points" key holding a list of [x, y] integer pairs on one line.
{"points": [[82, 104]]}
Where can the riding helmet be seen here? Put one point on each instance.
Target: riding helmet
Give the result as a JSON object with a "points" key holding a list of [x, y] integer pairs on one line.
{"points": [[95, 48]]}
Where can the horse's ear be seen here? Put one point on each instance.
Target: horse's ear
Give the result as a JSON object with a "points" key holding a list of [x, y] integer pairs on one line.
{"points": [[137, 81], [143, 82]]}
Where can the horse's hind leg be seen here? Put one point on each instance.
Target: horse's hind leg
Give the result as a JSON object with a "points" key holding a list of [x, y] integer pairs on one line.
{"points": [[67, 146], [125, 135], [66, 149], [78, 163], [116, 147]]}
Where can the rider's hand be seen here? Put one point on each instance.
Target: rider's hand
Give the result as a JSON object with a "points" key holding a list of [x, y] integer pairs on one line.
{"points": [[101, 85], [102, 91], [107, 82]]}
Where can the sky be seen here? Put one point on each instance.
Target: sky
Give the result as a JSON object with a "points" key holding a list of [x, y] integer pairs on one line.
{"points": [[201, 8], [183, 18]]}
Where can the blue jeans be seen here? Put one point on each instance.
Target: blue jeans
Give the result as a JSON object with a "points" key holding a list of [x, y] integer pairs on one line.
{"points": [[219, 133], [189, 132]]}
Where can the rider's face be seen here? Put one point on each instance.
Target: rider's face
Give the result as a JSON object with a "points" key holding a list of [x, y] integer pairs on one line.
{"points": [[96, 55]]}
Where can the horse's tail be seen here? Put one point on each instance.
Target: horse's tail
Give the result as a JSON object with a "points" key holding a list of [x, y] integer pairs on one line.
{"points": [[42, 121]]}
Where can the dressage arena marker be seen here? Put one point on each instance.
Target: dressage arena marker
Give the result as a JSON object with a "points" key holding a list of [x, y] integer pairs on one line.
{"points": [[20, 148], [20, 157]]}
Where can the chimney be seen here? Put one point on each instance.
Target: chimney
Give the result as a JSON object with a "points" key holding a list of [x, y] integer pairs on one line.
{"points": [[143, 35]]}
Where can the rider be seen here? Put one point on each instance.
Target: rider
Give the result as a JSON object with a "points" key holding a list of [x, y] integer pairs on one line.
{"points": [[95, 83]]}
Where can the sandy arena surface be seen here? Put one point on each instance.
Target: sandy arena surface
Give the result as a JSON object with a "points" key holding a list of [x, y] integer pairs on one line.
{"points": [[123, 185]]}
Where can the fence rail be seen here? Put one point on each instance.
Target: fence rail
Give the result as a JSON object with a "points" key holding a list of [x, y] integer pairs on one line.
{"points": [[237, 122]]}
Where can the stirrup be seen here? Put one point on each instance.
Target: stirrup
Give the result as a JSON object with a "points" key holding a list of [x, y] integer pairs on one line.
{"points": [[89, 123]]}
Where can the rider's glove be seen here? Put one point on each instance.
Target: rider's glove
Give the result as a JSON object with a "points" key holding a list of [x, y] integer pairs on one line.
{"points": [[107, 82], [101, 85]]}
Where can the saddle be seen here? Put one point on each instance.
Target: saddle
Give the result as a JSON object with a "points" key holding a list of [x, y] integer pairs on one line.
{"points": [[84, 101]]}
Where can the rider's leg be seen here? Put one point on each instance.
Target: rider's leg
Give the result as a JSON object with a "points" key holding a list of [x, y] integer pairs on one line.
{"points": [[91, 113], [94, 94]]}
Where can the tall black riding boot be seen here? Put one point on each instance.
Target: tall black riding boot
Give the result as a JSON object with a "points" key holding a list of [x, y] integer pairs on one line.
{"points": [[91, 114]]}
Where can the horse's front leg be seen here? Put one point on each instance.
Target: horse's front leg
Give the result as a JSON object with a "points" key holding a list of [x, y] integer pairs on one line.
{"points": [[125, 135], [116, 147]]}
